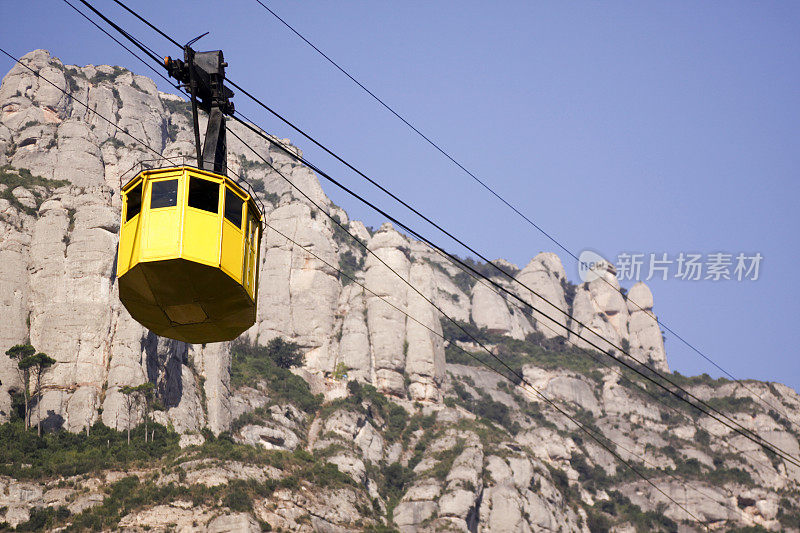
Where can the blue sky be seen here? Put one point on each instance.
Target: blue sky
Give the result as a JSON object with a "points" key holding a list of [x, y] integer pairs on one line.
{"points": [[644, 127]]}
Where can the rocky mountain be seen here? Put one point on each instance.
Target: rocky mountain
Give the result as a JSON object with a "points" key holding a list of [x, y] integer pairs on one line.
{"points": [[390, 427]]}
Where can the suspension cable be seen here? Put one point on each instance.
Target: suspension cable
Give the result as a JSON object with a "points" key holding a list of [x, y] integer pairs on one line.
{"points": [[447, 155]]}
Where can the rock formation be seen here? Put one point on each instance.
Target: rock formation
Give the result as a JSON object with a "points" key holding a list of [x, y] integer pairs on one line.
{"points": [[544, 278], [646, 342]]}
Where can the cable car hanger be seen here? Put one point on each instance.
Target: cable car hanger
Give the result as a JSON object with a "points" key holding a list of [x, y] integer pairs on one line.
{"points": [[203, 74], [190, 236]]}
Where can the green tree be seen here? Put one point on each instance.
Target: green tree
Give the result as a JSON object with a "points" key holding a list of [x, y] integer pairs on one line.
{"points": [[36, 366], [139, 397], [19, 353], [286, 354], [131, 403], [340, 372], [146, 392]]}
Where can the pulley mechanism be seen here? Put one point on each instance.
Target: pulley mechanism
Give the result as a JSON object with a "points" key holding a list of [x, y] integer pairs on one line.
{"points": [[203, 75]]}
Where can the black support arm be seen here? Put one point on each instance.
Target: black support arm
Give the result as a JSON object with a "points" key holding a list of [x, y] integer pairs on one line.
{"points": [[203, 73]]}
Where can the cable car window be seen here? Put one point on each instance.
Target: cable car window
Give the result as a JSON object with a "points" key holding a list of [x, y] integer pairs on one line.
{"points": [[164, 194], [134, 201], [204, 194], [233, 207]]}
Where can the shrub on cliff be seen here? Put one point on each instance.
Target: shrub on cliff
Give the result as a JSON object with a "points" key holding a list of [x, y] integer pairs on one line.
{"points": [[252, 364]]}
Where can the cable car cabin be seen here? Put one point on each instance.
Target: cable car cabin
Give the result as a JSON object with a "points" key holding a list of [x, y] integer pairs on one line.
{"points": [[188, 254]]}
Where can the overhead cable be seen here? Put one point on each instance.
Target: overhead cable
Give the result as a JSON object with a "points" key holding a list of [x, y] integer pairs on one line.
{"points": [[516, 210]]}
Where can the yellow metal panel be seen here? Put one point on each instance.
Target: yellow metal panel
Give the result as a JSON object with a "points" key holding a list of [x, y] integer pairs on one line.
{"points": [[246, 262], [250, 263], [201, 236], [128, 248], [202, 229], [128, 254], [257, 260], [161, 226], [187, 301], [192, 313], [183, 194], [232, 250], [254, 259]]}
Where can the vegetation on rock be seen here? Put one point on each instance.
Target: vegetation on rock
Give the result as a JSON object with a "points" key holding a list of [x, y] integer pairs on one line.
{"points": [[21, 177], [252, 364]]}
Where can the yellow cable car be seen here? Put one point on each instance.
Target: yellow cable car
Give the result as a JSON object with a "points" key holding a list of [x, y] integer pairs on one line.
{"points": [[188, 254], [189, 238]]}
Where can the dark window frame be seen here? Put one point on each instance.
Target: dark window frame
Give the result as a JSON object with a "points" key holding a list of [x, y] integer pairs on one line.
{"points": [[168, 198], [137, 205], [199, 198], [231, 194]]}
